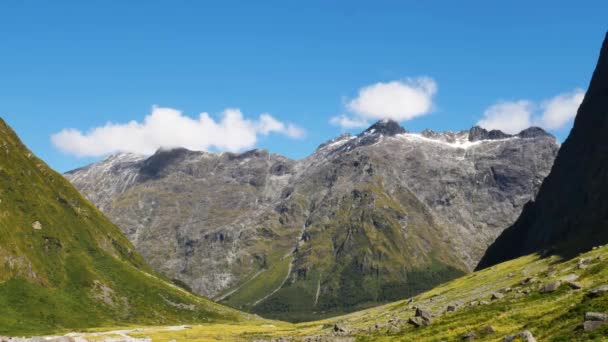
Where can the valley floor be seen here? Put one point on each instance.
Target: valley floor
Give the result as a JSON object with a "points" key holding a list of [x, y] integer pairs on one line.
{"points": [[548, 297]]}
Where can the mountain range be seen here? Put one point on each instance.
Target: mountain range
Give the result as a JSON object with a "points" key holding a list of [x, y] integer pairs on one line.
{"points": [[396, 211]]}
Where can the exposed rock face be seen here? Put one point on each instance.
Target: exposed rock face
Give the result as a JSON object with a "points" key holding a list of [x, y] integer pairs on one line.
{"points": [[396, 211], [570, 213]]}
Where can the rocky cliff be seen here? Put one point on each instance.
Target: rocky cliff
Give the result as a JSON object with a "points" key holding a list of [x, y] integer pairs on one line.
{"points": [[366, 218], [570, 213]]}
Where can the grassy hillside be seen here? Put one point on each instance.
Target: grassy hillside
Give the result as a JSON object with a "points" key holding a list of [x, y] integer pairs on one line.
{"points": [[64, 266], [553, 316]]}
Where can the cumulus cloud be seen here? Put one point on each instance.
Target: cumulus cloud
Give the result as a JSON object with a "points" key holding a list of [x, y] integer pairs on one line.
{"points": [[167, 128], [561, 109], [398, 100], [509, 117], [348, 122], [515, 116]]}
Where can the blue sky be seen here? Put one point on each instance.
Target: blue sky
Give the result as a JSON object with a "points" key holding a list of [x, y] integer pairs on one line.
{"points": [[79, 65]]}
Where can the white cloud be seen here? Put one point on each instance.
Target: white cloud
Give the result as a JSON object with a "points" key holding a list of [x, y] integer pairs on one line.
{"points": [[167, 127], [398, 100], [561, 109], [267, 124], [515, 116], [348, 122], [509, 117]]}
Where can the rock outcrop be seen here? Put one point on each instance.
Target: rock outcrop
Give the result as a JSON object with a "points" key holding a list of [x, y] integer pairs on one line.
{"points": [[570, 213]]}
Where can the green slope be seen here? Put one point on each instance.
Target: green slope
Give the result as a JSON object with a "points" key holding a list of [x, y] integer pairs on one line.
{"points": [[354, 256], [64, 266], [555, 316]]}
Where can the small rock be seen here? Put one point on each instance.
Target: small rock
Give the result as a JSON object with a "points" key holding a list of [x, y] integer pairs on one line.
{"points": [[37, 225], [488, 329], [592, 325], [569, 277], [596, 316], [526, 291], [598, 291], [496, 296], [551, 286], [340, 329], [470, 336], [484, 302], [528, 280], [574, 285], [424, 314], [393, 329], [474, 303], [451, 308], [418, 321], [527, 336]]}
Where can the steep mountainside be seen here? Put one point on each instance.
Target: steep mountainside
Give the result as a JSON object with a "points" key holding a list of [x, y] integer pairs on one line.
{"points": [[570, 213], [63, 265], [395, 211]]}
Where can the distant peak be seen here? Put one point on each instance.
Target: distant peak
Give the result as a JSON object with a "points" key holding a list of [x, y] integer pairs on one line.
{"points": [[533, 132], [386, 127], [478, 133]]}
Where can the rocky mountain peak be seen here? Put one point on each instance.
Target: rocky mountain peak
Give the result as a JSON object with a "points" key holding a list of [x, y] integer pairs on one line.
{"points": [[385, 127], [163, 158], [533, 132], [477, 133]]}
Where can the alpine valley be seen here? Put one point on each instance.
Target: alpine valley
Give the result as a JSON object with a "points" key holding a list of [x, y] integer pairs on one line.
{"points": [[370, 218], [387, 235]]}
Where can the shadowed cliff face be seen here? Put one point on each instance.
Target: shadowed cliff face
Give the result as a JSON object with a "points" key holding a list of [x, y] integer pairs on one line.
{"points": [[570, 213], [395, 211]]}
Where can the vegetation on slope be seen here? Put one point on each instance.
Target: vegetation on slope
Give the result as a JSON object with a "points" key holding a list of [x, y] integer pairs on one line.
{"points": [[552, 316], [374, 247], [64, 266]]}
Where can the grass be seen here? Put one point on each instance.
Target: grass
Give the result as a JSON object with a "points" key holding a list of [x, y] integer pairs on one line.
{"points": [[553, 316], [262, 285], [64, 266]]}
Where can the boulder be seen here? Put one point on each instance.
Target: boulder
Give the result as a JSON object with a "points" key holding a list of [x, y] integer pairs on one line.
{"points": [[551, 286], [418, 321], [426, 315], [574, 285], [528, 280], [592, 325], [488, 329], [37, 225], [470, 336], [569, 277], [496, 296], [340, 329], [525, 336], [596, 316], [597, 291]]}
